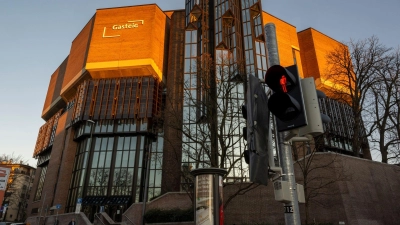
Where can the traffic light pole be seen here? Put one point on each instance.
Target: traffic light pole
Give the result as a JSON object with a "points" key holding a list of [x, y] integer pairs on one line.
{"points": [[291, 209]]}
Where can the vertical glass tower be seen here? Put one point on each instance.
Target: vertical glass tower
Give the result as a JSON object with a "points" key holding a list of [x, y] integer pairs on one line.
{"points": [[224, 42]]}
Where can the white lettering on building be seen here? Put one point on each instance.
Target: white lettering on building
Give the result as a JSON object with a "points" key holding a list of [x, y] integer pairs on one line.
{"points": [[129, 25]]}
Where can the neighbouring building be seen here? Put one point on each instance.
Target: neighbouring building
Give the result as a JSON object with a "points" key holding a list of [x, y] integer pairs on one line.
{"points": [[123, 110], [17, 191]]}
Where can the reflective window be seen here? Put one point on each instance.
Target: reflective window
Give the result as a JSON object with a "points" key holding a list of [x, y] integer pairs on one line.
{"points": [[39, 189], [114, 164]]}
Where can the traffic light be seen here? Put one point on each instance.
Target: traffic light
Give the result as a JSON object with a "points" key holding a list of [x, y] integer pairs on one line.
{"points": [[286, 103], [314, 117], [256, 132]]}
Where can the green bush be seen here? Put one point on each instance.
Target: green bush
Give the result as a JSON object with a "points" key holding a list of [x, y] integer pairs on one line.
{"points": [[169, 215]]}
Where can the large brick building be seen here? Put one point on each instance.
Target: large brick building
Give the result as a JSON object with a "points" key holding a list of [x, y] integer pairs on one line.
{"points": [[109, 135]]}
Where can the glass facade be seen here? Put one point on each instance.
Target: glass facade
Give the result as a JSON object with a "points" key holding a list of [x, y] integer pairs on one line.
{"points": [[39, 189], [111, 163], [338, 132], [118, 149], [224, 41]]}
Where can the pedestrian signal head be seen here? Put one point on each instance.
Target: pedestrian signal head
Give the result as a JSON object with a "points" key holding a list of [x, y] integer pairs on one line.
{"points": [[286, 103]]}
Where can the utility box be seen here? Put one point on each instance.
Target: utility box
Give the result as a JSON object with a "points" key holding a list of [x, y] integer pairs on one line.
{"points": [[282, 192], [300, 193]]}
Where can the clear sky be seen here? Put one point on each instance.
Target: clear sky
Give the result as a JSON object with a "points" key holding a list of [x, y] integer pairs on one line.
{"points": [[36, 36]]}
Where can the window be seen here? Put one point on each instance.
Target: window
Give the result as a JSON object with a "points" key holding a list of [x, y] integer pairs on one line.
{"points": [[39, 189]]}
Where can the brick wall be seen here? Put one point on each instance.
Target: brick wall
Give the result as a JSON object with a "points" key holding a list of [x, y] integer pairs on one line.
{"points": [[168, 201], [366, 195], [173, 112], [364, 192], [67, 161]]}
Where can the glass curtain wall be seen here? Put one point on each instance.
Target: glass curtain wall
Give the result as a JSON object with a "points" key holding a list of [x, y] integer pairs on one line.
{"points": [[38, 194], [196, 42], [338, 133], [114, 164], [238, 49], [114, 156]]}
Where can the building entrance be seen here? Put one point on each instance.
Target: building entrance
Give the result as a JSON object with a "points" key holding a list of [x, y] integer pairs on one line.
{"points": [[113, 206]]}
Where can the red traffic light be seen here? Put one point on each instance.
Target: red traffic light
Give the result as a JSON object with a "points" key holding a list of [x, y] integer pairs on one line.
{"points": [[279, 79], [283, 83], [286, 101]]}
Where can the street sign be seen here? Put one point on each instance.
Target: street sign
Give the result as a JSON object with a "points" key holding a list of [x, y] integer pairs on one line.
{"points": [[58, 206], [78, 205], [288, 209], [78, 208]]}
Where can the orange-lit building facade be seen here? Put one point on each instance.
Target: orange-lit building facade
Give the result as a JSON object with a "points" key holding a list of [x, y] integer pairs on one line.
{"points": [[104, 133], [315, 47], [102, 110]]}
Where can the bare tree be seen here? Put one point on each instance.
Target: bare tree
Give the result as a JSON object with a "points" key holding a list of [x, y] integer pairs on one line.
{"points": [[384, 107], [318, 174], [211, 121], [352, 71], [10, 159], [98, 181], [395, 111]]}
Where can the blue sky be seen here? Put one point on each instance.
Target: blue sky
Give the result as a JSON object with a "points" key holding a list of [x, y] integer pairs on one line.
{"points": [[36, 36]]}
